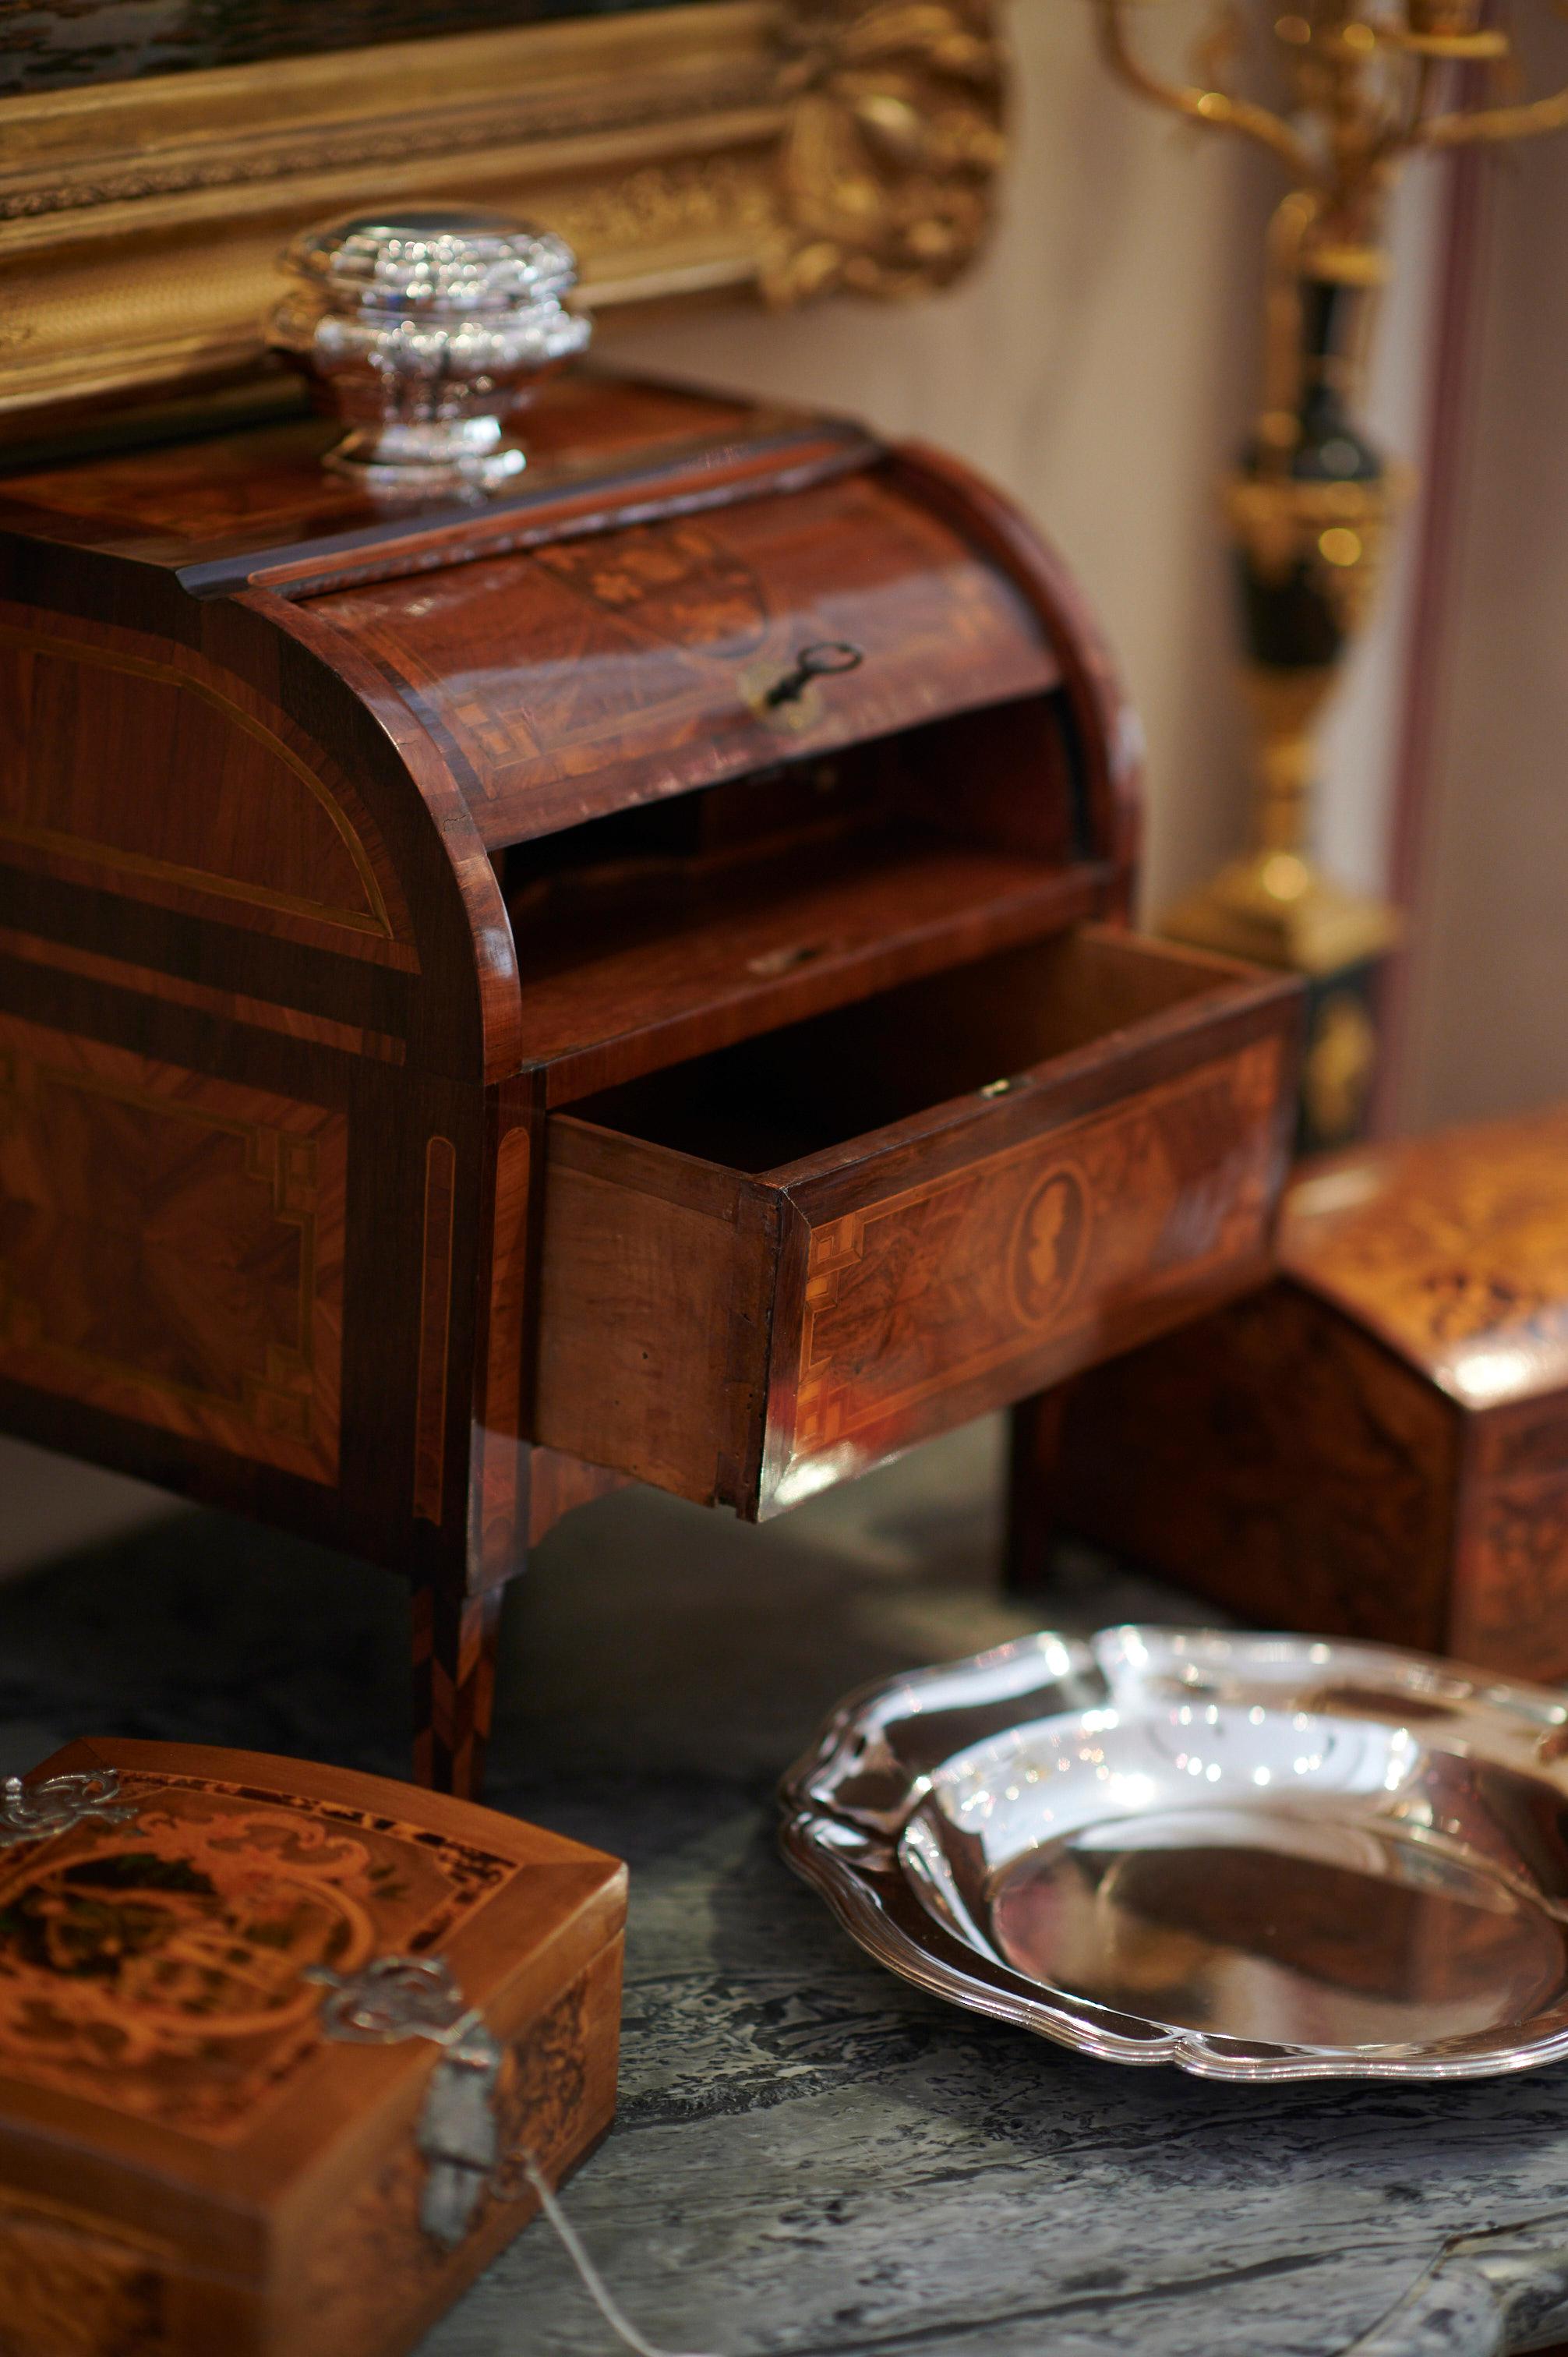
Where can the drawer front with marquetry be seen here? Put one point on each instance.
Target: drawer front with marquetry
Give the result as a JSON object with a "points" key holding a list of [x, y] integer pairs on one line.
{"points": [[955, 1295]]}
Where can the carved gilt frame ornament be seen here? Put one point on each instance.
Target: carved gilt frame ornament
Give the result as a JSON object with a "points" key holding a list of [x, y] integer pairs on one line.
{"points": [[788, 148]]}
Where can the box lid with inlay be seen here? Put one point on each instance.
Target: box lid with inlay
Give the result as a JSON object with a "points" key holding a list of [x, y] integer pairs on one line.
{"points": [[188, 2154]]}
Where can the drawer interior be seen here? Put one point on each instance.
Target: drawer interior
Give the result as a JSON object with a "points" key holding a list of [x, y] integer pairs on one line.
{"points": [[810, 1086]]}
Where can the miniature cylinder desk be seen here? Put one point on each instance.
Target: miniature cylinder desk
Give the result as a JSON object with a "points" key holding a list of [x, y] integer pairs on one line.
{"points": [[620, 980]]}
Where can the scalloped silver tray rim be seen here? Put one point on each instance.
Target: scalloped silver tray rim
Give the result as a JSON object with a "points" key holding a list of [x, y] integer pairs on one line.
{"points": [[847, 1848]]}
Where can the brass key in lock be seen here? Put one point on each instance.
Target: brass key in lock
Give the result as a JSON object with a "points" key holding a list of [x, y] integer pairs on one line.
{"points": [[823, 659]]}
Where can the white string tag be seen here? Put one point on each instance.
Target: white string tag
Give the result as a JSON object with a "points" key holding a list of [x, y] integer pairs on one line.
{"points": [[592, 2281]]}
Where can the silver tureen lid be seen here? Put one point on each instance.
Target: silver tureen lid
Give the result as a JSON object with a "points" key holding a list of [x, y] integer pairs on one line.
{"points": [[436, 257]]}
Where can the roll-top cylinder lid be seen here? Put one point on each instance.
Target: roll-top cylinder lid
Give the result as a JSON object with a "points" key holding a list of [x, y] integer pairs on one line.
{"points": [[625, 626], [618, 667]]}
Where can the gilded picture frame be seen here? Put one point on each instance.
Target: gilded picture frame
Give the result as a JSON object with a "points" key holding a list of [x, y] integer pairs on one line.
{"points": [[787, 147]]}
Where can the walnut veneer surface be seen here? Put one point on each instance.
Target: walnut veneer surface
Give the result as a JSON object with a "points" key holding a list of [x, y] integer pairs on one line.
{"points": [[809, 2155], [467, 1041]]}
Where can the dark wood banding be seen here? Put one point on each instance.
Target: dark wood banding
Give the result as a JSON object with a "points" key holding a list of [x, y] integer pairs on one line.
{"points": [[117, 974], [435, 1328]]}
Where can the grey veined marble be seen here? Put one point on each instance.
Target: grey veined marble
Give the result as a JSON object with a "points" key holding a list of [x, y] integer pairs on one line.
{"points": [[811, 2158]]}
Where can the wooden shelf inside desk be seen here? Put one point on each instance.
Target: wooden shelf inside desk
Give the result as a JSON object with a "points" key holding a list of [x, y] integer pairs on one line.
{"points": [[686, 964]]}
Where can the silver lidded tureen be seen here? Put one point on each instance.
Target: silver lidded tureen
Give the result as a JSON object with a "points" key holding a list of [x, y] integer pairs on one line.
{"points": [[430, 327]]}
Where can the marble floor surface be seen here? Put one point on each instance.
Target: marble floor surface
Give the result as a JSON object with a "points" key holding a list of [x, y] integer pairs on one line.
{"points": [[811, 2159]]}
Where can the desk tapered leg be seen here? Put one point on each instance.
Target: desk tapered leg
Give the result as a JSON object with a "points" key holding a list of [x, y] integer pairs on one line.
{"points": [[453, 1685], [1034, 1441]]}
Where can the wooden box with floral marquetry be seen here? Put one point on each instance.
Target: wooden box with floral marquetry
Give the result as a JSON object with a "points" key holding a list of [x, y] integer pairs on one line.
{"points": [[1377, 1444], [274, 2040]]}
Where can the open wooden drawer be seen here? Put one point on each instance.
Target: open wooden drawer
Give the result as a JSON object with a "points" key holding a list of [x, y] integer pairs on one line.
{"points": [[766, 1268]]}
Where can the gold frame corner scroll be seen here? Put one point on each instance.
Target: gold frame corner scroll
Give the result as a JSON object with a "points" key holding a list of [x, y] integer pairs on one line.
{"points": [[791, 147]]}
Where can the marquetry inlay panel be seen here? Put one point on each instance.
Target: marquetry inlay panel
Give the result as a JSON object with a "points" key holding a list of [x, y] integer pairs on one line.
{"points": [[247, 820], [171, 1247], [945, 1282]]}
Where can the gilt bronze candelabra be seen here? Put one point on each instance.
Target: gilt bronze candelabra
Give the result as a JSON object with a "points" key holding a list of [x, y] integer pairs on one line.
{"points": [[1365, 83]]}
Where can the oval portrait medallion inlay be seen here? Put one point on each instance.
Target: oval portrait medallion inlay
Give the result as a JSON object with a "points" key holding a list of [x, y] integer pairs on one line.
{"points": [[1048, 1245]]}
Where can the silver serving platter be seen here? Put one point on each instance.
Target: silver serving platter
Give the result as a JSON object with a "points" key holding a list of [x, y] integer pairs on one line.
{"points": [[1255, 1856]]}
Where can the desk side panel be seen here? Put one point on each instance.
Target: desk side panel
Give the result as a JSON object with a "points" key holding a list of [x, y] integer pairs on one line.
{"points": [[244, 1028]]}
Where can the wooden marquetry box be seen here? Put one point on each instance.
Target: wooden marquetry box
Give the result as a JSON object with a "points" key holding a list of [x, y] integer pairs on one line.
{"points": [[489, 1009], [190, 2159], [1376, 1444]]}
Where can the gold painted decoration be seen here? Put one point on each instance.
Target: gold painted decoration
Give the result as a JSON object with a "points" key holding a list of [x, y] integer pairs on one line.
{"points": [[894, 142], [1366, 83], [1338, 1065], [782, 146], [1366, 65]]}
